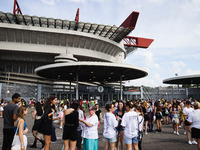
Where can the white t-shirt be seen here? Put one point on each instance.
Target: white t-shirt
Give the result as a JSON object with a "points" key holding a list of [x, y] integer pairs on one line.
{"points": [[130, 122], [194, 117], [110, 123], [91, 132], [187, 111]]}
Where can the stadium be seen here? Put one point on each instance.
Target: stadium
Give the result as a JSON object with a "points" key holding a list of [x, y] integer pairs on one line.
{"points": [[42, 56]]}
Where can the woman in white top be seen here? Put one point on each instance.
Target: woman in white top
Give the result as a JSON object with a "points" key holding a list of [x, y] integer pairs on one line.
{"points": [[186, 111], [194, 119], [20, 129], [110, 124], [139, 110], [130, 123], [90, 132]]}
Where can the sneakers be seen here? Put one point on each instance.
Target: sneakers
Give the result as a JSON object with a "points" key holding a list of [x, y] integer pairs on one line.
{"points": [[184, 133], [146, 133], [194, 142], [60, 127], [179, 126], [177, 133], [189, 142]]}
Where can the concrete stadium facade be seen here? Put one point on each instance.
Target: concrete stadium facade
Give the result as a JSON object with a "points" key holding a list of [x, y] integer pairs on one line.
{"points": [[28, 42]]}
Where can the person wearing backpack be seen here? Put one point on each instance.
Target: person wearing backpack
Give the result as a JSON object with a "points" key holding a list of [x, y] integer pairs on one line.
{"points": [[150, 112], [138, 109], [165, 112]]}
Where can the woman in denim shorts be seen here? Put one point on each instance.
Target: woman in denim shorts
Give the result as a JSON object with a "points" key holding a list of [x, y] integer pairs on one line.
{"points": [[110, 124], [119, 112], [130, 123]]}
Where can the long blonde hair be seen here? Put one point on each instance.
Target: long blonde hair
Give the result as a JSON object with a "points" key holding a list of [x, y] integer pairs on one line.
{"points": [[145, 105], [20, 113]]}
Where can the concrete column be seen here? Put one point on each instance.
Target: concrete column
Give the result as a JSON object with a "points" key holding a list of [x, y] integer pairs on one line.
{"points": [[141, 92], [39, 92], [70, 88], [0, 90], [14, 88], [118, 95], [186, 92], [121, 96], [77, 86]]}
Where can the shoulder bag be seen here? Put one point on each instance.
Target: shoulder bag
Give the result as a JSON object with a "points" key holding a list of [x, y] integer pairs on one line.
{"points": [[140, 133], [16, 145]]}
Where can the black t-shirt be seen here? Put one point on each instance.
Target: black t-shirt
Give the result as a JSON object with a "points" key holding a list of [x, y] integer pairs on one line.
{"points": [[98, 113], [9, 110]]}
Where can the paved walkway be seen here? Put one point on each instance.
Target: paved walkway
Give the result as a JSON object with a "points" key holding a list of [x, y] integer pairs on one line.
{"points": [[153, 141]]}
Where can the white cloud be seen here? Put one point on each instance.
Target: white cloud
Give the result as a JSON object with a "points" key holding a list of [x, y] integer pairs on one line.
{"points": [[152, 80], [49, 2], [158, 78], [192, 6], [148, 58], [143, 81], [197, 31], [178, 64], [78, 1], [53, 2], [192, 72], [176, 67], [157, 1]]}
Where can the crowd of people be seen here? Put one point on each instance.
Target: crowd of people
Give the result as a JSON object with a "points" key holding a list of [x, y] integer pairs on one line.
{"points": [[124, 122]]}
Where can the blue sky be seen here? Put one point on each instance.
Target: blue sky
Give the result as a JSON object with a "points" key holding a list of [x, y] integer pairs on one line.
{"points": [[173, 24]]}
